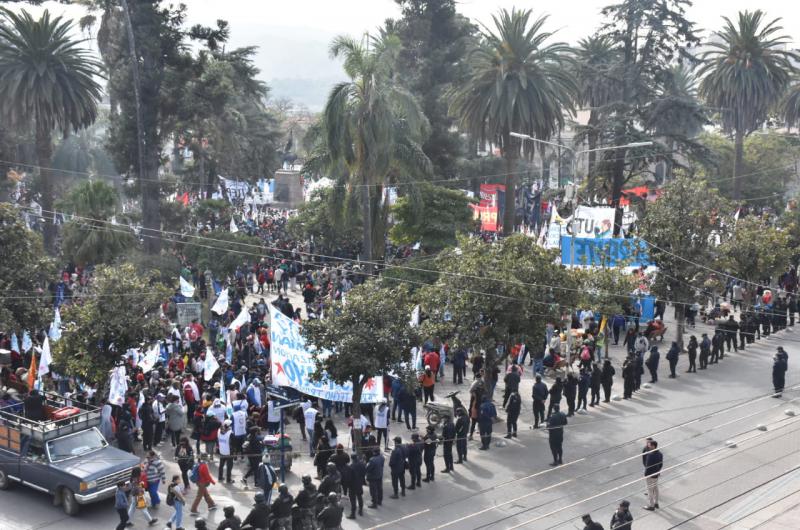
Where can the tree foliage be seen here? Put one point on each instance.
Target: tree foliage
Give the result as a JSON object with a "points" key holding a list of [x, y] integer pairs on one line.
{"points": [[678, 230], [24, 272], [224, 255], [754, 250], [332, 219], [121, 310], [435, 221], [367, 336]]}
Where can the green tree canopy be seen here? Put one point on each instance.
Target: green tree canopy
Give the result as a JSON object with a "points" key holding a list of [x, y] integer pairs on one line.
{"points": [[120, 311], [434, 221], [224, 255], [754, 250], [24, 272], [369, 335], [332, 218]]}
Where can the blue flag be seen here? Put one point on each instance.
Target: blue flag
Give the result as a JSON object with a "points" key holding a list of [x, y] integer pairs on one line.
{"points": [[14, 342]]}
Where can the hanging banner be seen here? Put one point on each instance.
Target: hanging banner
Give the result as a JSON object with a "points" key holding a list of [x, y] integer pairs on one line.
{"points": [[591, 222], [490, 209], [292, 365], [604, 252]]}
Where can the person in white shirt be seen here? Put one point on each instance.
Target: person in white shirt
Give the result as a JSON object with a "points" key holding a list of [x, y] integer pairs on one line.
{"points": [[273, 417], [218, 410], [382, 423], [225, 458], [310, 415], [239, 428], [159, 411]]}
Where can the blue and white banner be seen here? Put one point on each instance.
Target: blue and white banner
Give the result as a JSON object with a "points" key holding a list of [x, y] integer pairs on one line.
{"points": [[596, 252], [293, 364]]}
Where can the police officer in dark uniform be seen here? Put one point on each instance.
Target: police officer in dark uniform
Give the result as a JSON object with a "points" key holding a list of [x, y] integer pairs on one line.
{"points": [[258, 517], [448, 435], [555, 432], [462, 429], [397, 467], [282, 509], [355, 489], [431, 441], [307, 500], [414, 454], [330, 518]]}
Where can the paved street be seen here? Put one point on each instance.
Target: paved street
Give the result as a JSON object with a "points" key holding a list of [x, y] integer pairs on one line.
{"points": [[512, 486]]}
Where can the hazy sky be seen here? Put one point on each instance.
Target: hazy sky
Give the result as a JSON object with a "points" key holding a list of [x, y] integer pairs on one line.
{"points": [[293, 35]]}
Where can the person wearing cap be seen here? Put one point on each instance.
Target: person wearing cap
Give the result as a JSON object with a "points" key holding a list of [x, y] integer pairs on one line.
{"points": [[266, 477], [258, 518], [622, 518], [779, 368], [486, 416], [431, 442], [397, 468], [224, 437], [588, 524], [448, 437]]}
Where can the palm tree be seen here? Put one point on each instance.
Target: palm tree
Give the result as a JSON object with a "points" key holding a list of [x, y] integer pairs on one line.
{"points": [[596, 59], [676, 114], [790, 106], [517, 83], [374, 127], [745, 74], [92, 238], [48, 82]]}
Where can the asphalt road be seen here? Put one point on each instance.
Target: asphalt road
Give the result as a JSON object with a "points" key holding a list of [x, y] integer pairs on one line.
{"points": [[705, 484]]}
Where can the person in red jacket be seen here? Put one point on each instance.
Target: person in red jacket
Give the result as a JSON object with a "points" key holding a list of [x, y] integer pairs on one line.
{"points": [[432, 359], [204, 480]]}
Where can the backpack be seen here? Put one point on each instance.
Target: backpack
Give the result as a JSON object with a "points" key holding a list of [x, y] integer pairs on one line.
{"points": [[194, 475], [170, 496]]}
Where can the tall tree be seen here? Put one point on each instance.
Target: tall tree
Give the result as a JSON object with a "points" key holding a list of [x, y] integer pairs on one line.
{"points": [[374, 126], [596, 59], [651, 35], [678, 230], [48, 82], [368, 336], [435, 40], [790, 106], [745, 74], [518, 83]]}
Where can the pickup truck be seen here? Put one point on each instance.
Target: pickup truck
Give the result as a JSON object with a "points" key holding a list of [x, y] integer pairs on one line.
{"points": [[65, 455]]}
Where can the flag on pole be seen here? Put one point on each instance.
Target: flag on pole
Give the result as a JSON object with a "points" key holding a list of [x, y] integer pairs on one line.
{"points": [[187, 289], [221, 305], [45, 358], [414, 317], [27, 343], [210, 366], [55, 326], [32, 371], [234, 228], [118, 387], [150, 359], [241, 320], [14, 342]]}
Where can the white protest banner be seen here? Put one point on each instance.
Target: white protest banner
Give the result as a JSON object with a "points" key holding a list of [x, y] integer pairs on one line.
{"points": [[211, 365], [187, 289], [118, 387], [292, 365], [221, 305], [592, 222], [241, 320]]}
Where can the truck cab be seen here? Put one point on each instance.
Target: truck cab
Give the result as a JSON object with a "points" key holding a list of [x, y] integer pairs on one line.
{"points": [[64, 455]]}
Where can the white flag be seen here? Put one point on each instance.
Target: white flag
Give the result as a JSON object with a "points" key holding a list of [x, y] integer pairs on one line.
{"points": [[55, 326], [221, 305], [27, 343], [150, 359], [241, 320], [414, 317], [211, 365], [118, 387], [187, 289], [234, 228], [45, 359]]}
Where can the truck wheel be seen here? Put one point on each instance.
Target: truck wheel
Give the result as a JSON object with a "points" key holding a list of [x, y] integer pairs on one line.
{"points": [[433, 418], [5, 482], [71, 506]]}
